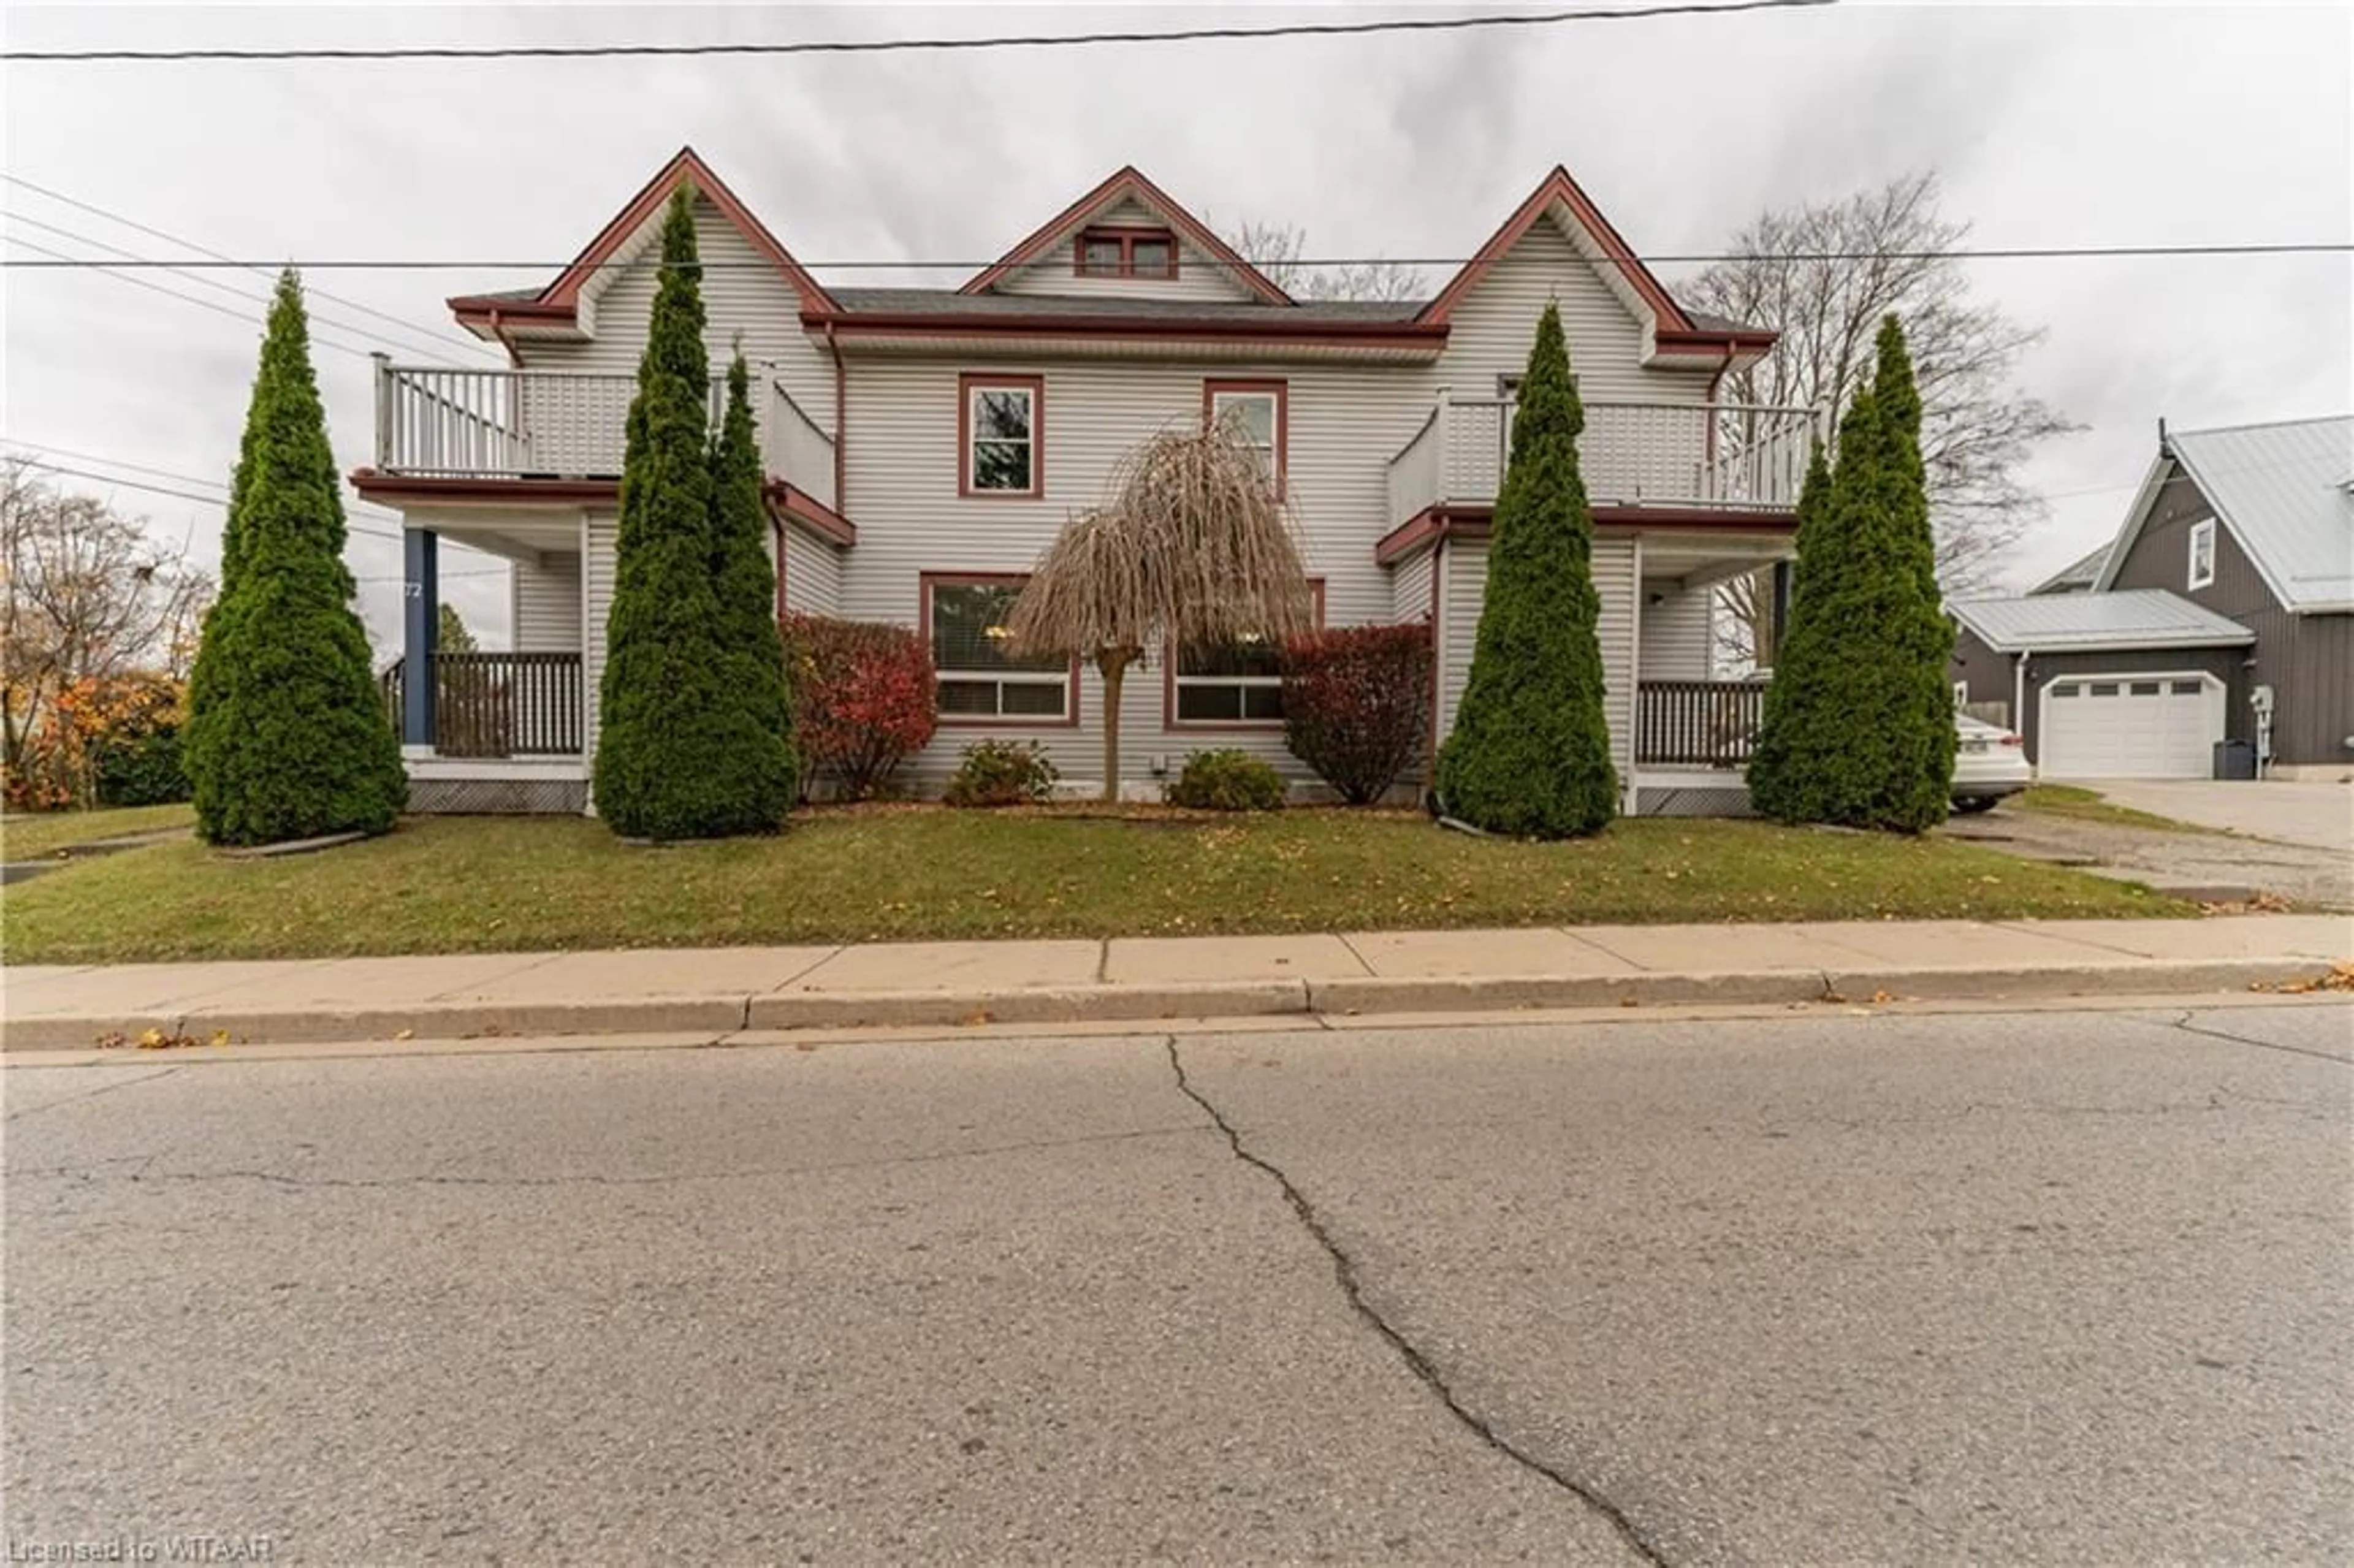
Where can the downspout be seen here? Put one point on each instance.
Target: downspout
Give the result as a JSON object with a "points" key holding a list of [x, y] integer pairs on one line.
{"points": [[1715, 383], [841, 424]]}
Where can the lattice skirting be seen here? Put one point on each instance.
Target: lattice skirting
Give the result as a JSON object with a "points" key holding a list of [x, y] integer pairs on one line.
{"points": [[498, 797], [1693, 800]]}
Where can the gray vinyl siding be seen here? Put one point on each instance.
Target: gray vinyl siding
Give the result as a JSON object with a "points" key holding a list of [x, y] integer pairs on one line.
{"points": [[742, 292], [2308, 659], [1199, 277], [1675, 634], [813, 574], [545, 603], [1410, 586]]}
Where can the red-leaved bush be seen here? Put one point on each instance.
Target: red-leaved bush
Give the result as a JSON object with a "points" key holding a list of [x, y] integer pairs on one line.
{"points": [[862, 699], [1356, 704]]}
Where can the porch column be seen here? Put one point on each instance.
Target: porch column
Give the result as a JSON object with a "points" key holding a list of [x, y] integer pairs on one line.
{"points": [[421, 629], [1779, 622]]}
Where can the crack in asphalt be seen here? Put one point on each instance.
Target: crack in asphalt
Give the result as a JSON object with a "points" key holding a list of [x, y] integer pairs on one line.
{"points": [[106, 1088], [2184, 1024], [1344, 1270], [591, 1178]]}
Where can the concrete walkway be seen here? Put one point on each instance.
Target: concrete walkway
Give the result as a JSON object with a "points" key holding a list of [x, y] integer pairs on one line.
{"points": [[724, 991]]}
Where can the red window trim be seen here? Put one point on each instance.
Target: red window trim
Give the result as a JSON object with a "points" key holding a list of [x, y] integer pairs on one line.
{"points": [[925, 583], [1127, 238], [1212, 386], [966, 384], [1175, 726]]}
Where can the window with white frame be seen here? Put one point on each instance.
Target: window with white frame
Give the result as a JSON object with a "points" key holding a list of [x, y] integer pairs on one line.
{"points": [[1961, 694], [1001, 420], [1258, 414], [978, 677], [1238, 683], [2202, 552]]}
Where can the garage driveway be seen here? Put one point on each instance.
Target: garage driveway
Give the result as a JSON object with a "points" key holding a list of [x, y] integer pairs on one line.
{"points": [[2318, 816]]}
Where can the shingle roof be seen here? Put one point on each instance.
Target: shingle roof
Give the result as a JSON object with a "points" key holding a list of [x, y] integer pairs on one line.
{"points": [[2282, 490], [950, 302], [2138, 618]]}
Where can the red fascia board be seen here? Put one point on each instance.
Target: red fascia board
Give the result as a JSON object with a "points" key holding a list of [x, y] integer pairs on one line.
{"points": [[418, 487], [815, 516], [1475, 522], [936, 323], [1127, 181], [1558, 186]]}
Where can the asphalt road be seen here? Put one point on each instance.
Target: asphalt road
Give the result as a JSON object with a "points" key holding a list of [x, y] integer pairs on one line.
{"points": [[1825, 1288]]}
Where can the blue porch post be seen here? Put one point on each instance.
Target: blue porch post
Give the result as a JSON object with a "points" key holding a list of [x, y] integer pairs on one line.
{"points": [[421, 629], [1779, 618]]}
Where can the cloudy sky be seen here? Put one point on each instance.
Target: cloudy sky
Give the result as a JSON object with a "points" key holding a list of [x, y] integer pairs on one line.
{"points": [[2051, 126]]}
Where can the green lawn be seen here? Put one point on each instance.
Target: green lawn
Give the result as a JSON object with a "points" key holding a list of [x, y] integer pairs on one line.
{"points": [[32, 835], [455, 884], [2091, 806]]}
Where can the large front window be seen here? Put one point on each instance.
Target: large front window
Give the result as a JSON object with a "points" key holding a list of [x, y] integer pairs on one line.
{"points": [[1235, 682], [1001, 418], [978, 678]]}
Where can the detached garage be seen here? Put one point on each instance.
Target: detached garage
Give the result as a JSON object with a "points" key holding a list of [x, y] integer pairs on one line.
{"points": [[2139, 685]]}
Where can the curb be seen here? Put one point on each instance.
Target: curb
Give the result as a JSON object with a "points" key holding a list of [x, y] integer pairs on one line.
{"points": [[1368, 996]]}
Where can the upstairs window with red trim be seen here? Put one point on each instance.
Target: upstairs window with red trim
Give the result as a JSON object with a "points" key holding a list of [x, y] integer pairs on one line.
{"points": [[1258, 413], [1125, 253]]}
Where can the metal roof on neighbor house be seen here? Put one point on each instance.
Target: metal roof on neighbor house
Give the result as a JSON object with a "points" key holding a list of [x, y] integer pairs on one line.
{"points": [[2077, 577], [2064, 622], [2282, 490]]}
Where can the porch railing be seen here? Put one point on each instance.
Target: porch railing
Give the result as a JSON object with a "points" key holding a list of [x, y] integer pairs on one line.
{"points": [[499, 705], [452, 422], [1740, 458], [1697, 724]]}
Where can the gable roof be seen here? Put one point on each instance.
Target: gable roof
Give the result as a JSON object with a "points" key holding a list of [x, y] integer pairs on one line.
{"points": [[1673, 327], [560, 300], [1127, 184], [2077, 577], [2281, 489], [2056, 623]]}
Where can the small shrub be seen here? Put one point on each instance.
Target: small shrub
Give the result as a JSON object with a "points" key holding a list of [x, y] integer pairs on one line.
{"points": [[1226, 781], [144, 770], [862, 699], [1002, 773], [1356, 704]]}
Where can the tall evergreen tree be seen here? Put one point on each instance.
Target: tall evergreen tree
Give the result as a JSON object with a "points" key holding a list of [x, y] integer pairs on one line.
{"points": [[1859, 724], [673, 739], [1530, 754], [746, 581], [286, 736]]}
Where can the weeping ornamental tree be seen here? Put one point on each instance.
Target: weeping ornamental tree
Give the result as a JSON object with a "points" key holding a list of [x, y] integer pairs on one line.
{"points": [[687, 748], [1859, 727], [1530, 754], [1191, 549], [286, 736]]}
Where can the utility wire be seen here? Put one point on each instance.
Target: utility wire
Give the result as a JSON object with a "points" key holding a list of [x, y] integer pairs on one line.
{"points": [[45, 448], [1988, 253], [319, 319], [114, 271], [417, 331], [44, 467], [911, 46]]}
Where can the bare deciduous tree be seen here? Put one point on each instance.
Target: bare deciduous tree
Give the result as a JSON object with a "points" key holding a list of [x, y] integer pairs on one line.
{"points": [[84, 593], [1277, 249], [1823, 276]]}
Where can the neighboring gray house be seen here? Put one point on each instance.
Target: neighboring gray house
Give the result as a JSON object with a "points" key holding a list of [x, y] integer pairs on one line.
{"points": [[2077, 577], [2223, 610], [925, 445]]}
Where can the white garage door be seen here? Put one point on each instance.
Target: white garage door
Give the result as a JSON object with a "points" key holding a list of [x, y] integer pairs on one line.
{"points": [[2131, 726]]}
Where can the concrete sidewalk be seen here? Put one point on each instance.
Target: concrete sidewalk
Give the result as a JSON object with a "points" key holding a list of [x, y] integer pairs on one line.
{"points": [[1129, 978]]}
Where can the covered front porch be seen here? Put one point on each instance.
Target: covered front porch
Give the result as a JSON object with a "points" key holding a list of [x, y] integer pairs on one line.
{"points": [[496, 731], [1696, 710]]}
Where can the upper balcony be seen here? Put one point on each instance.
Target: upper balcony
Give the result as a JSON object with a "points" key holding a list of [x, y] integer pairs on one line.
{"points": [[1657, 455], [441, 422]]}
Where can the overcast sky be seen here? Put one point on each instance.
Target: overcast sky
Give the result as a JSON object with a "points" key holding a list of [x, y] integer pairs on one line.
{"points": [[2051, 126]]}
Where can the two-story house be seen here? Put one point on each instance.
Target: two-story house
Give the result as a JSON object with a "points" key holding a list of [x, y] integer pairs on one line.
{"points": [[2223, 611], [925, 445]]}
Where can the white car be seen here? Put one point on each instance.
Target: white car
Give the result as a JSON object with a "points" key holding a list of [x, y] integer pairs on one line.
{"points": [[1991, 763]]}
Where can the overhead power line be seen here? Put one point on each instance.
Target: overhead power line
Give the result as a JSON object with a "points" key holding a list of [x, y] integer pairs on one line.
{"points": [[116, 269], [914, 46], [418, 332], [1983, 253], [59, 469]]}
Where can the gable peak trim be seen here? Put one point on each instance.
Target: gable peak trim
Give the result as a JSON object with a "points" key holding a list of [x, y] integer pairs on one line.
{"points": [[1127, 181]]}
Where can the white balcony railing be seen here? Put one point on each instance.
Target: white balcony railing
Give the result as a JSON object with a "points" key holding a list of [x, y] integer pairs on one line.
{"points": [[443, 422], [1631, 454]]}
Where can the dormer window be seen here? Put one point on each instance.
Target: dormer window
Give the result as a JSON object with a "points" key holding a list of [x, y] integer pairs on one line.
{"points": [[1126, 253]]}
